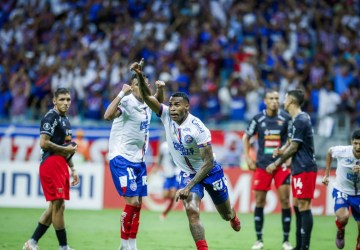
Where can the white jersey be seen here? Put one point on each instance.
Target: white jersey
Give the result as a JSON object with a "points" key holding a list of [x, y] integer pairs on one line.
{"points": [[129, 136], [345, 180], [167, 163], [185, 140]]}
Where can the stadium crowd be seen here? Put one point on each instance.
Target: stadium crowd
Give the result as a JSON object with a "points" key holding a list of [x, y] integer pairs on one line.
{"points": [[224, 53]]}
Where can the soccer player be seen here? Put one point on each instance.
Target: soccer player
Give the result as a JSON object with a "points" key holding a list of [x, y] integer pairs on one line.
{"points": [[303, 166], [170, 172], [190, 146], [129, 140], [346, 193], [55, 138], [271, 126]]}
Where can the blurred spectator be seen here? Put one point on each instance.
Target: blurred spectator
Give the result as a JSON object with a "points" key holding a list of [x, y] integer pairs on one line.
{"points": [[83, 150], [274, 44]]}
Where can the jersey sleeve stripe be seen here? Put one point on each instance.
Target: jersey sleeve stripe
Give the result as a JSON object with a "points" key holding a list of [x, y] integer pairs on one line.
{"points": [[202, 145], [45, 132], [296, 139]]}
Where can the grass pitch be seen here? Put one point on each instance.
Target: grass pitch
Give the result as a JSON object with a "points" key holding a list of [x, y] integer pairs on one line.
{"points": [[100, 230]]}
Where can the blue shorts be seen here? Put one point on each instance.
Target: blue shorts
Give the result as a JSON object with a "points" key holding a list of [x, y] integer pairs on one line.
{"points": [[171, 182], [344, 200], [215, 184], [129, 178]]}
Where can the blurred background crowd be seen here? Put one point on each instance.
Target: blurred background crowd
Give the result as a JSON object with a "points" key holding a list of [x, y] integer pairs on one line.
{"points": [[224, 53]]}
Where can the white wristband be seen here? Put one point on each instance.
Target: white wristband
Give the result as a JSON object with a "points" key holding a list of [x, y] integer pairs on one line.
{"points": [[121, 94]]}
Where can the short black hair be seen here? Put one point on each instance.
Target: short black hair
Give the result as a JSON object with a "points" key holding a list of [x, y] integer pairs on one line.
{"points": [[61, 91], [355, 135], [298, 95], [181, 94]]}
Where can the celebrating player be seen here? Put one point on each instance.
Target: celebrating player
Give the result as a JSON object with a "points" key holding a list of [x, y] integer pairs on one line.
{"points": [[55, 131], [129, 139], [303, 166], [271, 127], [346, 193], [190, 146]]}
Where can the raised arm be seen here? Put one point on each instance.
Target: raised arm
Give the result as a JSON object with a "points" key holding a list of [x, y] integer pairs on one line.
{"points": [[160, 88], [112, 110], [150, 100]]}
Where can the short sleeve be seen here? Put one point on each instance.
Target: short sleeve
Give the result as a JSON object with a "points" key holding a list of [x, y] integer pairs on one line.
{"points": [[48, 124], [299, 130], [202, 135], [252, 127]]}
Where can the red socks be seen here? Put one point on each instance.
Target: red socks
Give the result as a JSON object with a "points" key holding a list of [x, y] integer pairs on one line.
{"points": [[126, 221], [339, 225], [135, 223], [201, 245]]}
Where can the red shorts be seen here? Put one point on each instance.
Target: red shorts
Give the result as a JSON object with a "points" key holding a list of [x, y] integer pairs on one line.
{"points": [[55, 178], [303, 185], [262, 179]]}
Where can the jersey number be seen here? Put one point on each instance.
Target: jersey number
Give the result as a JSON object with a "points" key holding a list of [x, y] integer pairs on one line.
{"points": [[131, 174], [297, 183]]}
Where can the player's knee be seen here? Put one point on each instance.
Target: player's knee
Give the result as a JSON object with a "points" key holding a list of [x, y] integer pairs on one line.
{"points": [[192, 211], [284, 201], [343, 218]]}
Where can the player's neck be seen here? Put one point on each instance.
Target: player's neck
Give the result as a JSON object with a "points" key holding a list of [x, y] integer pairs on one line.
{"points": [[183, 119], [60, 113], [294, 111], [270, 112]]}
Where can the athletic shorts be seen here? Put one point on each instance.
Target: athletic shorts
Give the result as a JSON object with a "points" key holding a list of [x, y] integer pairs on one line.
{"points": [[55, 178], [171, 183], [303, 185], [215, 184], [262, 179], [349, 201], [129, 178]]}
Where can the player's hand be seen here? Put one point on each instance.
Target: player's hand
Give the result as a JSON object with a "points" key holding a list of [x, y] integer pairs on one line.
{"points": [[70, 149], [276, 152], [270, 168], [75, 177], [356, 169], [137, 66], [325, 180], [160, 84], [182, 194], [126, 89], [250, 163]]}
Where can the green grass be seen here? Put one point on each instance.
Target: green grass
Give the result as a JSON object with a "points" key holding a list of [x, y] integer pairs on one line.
{"points": [[100, 230]]}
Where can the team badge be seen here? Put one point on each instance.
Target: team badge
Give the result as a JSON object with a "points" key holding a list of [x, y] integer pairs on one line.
{"points": [[46, 126], [340, 201], [133, 186], [188, 139]]}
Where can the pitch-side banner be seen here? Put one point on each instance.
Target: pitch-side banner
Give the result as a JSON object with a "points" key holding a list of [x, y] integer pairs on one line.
{"points": [[20, 186]]}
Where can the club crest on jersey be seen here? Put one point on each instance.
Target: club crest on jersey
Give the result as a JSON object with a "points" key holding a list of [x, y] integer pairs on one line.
{"points": [[133, 186], [280, 122], [46, 126], [340, 201], [188, 139]]}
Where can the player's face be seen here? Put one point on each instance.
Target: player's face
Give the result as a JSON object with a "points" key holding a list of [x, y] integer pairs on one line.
{"points": [[62, 103], [356, 147], [135, 87], [287, 102], [178, 109], [272, 101]]}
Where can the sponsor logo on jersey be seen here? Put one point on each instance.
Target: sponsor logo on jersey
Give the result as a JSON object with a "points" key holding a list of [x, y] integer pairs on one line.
{"points": [[280, 122], [268, 150], [272, 137], [198, 126], [349, 161], [269, 143]]}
